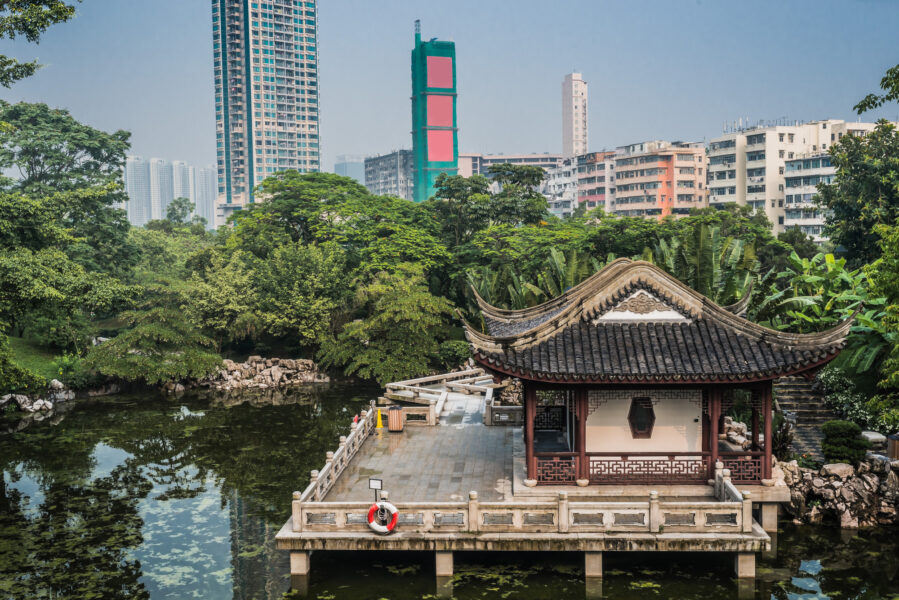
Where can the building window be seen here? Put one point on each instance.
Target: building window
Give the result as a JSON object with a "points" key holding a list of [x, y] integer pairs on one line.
{"points": [[641, 418]]}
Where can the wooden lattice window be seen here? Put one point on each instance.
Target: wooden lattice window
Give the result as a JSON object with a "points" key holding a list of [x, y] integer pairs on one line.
{"points": [[641, 417]]}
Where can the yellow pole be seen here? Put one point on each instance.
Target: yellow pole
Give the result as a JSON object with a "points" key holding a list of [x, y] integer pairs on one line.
{"points": [[380, 424]]}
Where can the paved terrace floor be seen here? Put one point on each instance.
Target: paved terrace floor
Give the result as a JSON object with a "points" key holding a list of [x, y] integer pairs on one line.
{"points": [[440, 463]]}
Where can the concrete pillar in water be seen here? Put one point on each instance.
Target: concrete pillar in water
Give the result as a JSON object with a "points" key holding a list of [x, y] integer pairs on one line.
{"points": [[593, 565], [768, 512], [299, 571], [443, 561], [744, 565]]}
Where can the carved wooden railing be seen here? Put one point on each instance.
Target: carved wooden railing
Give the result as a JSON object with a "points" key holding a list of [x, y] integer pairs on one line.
{"points": [[557, 516], [648, 467], [745, 467]]}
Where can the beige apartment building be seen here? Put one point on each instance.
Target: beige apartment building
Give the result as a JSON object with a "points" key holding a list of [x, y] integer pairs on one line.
{"points": [[748, 166]]}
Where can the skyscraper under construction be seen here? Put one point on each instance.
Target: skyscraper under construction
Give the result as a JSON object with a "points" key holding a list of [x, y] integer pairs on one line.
{"points": [[435, 140]]}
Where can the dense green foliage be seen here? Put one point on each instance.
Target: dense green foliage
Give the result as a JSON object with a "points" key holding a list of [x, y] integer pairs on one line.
{"points": [[843, 442], [864, 193]]}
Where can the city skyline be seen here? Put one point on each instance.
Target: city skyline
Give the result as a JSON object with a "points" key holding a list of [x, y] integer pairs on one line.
{"points": [[152, 73]]}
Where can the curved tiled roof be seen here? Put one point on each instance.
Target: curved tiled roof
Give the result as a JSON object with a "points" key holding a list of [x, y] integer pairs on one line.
{"points": [[570, 339]]}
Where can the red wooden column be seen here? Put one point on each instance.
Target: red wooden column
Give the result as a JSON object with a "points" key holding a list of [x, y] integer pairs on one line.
{"points": [[755, 428], [714, 417], [767, 408], [530, 409], [580, 396]]}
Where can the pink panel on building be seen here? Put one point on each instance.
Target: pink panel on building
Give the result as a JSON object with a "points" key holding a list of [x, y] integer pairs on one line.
{"points": [[440, 111], [440, 145], [440, 72]]}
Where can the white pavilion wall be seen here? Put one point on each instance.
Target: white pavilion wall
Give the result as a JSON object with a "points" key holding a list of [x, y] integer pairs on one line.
{"points": [[678, 421]]}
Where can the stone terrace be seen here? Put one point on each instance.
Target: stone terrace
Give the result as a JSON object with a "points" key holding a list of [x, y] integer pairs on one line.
{"points": [[440, 463]]}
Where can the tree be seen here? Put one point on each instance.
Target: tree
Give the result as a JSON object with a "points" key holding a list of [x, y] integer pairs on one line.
{"points": [[889, 84], [461, 204], [222, 301], [396, 338], [885, 281], [300, 289], [802, 243], [53, 152], [28, 18], [864, 192], [160, 345], [80, 168], [518, 201], [179, 211], [718, 267]]}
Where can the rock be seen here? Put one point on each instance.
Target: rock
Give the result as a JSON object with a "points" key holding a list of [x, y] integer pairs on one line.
{"points": [[877, 440], [56, 384], [894, 464], [841, 470], [728, 421], [4, 400], [179, 388], [817, 482], [878, 463], [276, 374], [848, 521], [254, 359]]}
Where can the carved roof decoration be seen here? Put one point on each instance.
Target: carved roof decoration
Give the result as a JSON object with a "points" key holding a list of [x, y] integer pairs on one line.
{"points": [[632, 322]]}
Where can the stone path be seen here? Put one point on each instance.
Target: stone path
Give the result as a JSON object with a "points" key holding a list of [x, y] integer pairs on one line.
{"points": [[440, 463], [805, 401]]}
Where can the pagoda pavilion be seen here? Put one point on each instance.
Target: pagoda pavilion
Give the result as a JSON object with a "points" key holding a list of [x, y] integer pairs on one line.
{"points": [[628, 375]]}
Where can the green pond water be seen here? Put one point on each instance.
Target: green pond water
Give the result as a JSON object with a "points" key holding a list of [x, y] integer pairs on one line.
{"points": [[154, 497]]}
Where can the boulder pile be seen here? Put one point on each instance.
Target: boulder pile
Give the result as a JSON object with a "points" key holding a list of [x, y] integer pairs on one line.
{"points": [[865, 496], [56, 392], [737, 433], [261, 373]]}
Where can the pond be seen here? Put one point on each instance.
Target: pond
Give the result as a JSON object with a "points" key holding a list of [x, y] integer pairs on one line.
{"points": [[154, 497]]}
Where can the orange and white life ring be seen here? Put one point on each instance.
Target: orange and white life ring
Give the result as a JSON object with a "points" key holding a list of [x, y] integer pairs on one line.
{"points": [[382, 517]]}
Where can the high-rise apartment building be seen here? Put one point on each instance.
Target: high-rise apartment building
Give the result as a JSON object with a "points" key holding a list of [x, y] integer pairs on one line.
{"points": [[161, 187], [137, 186], [351, 166], [183, 180], [658, 179], [152, 184], [435, 142], [391, 174], [266, 94], [560, 188], [479, 164], [596, 180], [748, 165], [206, 190], [574, 115], [801, 178]]}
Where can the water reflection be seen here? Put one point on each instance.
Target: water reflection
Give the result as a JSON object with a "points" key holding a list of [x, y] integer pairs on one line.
{"points": [[149, 497]]}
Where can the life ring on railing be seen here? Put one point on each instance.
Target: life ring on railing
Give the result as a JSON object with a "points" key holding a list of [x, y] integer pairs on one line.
{"points": [[382, 517]]}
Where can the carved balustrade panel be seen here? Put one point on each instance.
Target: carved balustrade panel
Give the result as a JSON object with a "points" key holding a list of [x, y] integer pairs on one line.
{"points": [[744, 468], [555, 470], [647, 469]]}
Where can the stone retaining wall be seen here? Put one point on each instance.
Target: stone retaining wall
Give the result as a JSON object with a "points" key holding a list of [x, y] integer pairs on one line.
{"points": [[261, 373], [865, 496]]}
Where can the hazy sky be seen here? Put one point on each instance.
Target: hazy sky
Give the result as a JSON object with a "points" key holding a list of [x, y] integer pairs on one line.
{"points": [[666, 69]]}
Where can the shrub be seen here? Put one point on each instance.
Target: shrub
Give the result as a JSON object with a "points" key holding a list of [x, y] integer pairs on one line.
{"points": [[842, 396], [782, 437], [74, 373], [453, 353], [806, 461], [843, 442]]}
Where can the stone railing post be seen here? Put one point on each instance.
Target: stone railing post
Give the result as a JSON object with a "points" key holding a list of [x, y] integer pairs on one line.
{"points": [[655, 513], [747, 511], [313, 479], [474, 517], [329, 464], [341, 445], [719, 467], [296, 512], [563, 512], [432, 412]]}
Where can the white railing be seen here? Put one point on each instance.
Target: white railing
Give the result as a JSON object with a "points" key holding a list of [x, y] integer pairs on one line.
{"points": [[559, 516], [321, 481]]}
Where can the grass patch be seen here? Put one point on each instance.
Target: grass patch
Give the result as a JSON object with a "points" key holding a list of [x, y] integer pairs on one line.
{"points": [[29, 355]]}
